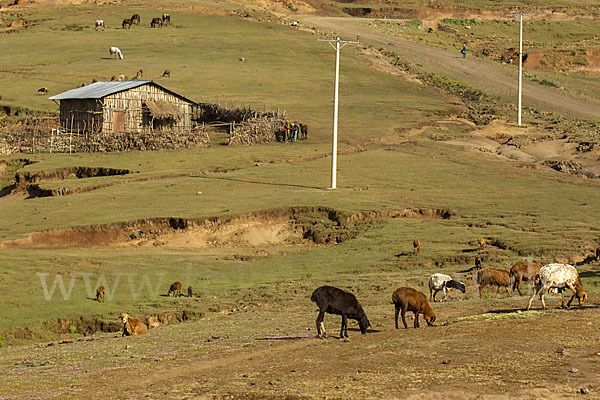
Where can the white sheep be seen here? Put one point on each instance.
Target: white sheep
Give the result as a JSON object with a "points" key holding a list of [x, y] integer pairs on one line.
{"points": [[557, 276], [442, 282]]}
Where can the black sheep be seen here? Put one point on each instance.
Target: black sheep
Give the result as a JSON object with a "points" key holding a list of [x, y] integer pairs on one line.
{"points": [[336, 301]]}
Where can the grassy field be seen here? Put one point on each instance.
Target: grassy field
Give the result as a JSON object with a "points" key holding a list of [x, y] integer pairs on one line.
{"points": [[249, 326]]}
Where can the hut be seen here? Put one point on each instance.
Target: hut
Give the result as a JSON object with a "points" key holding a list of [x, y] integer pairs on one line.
{"points": [[124, 107]]}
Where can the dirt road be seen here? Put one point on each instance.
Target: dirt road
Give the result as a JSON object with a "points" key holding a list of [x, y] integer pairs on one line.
{"points": [[493, 78]]}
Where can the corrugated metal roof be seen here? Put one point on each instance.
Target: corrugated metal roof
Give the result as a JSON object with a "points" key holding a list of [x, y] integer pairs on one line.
{"points": [[98, 90]]}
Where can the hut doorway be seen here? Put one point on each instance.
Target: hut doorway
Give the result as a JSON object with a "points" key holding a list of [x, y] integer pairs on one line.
{"points": [[118, 122]]}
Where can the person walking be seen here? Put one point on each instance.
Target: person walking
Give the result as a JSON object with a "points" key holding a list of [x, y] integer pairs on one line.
{"points": [[296, 131], [286, 130], [464, 50]]}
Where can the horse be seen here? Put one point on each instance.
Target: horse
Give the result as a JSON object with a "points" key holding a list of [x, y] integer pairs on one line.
{"points": [[116, 52], [99, 24], [135, 19], [156, 23], [126, 22]]}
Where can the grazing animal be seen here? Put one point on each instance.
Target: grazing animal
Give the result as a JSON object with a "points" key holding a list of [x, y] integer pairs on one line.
{"points": [[493, 277], [113, 78], [94, 80], [126, 23], [408, 299], [100, 293], [139, 74], [166, 18], [189, 290], [557, 276], [332, 300], [481, 243], [42, 90], [116, 52], [417, 246], [175, 289], [167, 73], [478, 262], [132, 326], [135, 19], [156, 23], [443, 282], [304, 131], [598, 253], [122, 77], [99, 24], [523, 271]]}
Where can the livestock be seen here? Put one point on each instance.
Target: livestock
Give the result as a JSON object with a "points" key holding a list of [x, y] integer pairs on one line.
{"points": [[443, 282], [113, 78], [417, 246], [43, 90], [116, 52], [166, 18], [408, 299], [304, 131], [175, 289], [523, 271], [493, 277], [99, 24], [557, 276], [478, 262], [481, 243], [167, 73], [189, 291], [139, 74], [332, 300], [132, 326], [100, 293], [156, 23], [598, 253], [126, 23], [135, 19], [122, 77]]}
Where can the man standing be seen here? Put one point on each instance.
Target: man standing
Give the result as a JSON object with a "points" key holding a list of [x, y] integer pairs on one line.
{"points": [[464, 50]]}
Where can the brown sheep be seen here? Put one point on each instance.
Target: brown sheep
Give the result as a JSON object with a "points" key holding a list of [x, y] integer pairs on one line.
{"points": [[417, 246], [132, 326], [408, 299], [167, 73], [523, 271], [481, 243], [493, 277], [100, 293], [478, 262], [175, 289]]}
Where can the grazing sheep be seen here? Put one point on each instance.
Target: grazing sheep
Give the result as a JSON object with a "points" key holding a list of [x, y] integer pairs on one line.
{"points": [[175, 289], [478, 262], [94, 80], [122, 77], [99, 24], [132, 326], [43, 90], [408, 299], [136, 19], [156, 23], [189, 290], [116, 52], [443, 282], [523, 271], [113, 78], [139, 74], [557, 276], [481, 243], [167, 73], [332, 300], [417, 246], [100, 293], [166, 18], [493, 277], [126, 23]]}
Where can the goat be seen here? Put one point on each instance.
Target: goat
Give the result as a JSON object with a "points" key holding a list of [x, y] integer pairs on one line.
{"points": [[135, 19], [408, 299], [332, 300], [175, 289], [116, 52], [156, 23], [42, 90], [132, 326], [443, 282], [417, 246], [481, 243], [478, 262], [167, 73], [493, 277], [189, 291], [559, 276], [100, 292], [523, 271], [99, 24], [126, 23], [166, 18]]}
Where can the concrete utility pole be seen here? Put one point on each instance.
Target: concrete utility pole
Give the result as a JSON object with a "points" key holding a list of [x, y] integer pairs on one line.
{"points": [[520, 59], [337, 47]]}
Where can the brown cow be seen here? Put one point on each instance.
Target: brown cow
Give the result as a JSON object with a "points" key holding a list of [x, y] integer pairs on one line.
{"points": [[167, 73], [175, 289], [417, 246], [100, 292], [523, 271]]}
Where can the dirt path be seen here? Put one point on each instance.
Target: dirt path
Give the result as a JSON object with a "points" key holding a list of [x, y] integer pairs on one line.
{"points": [[494, 79]]}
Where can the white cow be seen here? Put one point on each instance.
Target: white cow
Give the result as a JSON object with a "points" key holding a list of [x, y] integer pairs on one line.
{"points": [[443, 282], [99, 24], [557, 276], [116, 51]]}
